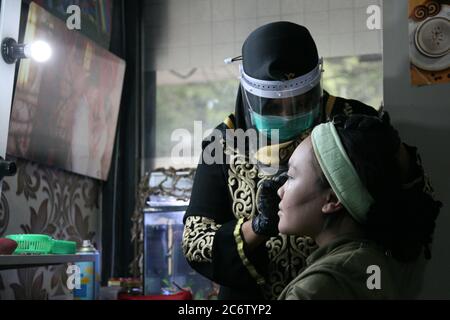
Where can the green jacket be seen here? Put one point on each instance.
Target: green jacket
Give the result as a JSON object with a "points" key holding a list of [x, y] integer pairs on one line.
{"points": [[339, 270]]}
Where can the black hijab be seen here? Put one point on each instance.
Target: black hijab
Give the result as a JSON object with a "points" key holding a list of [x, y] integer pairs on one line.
{"points": [[276, 51]]}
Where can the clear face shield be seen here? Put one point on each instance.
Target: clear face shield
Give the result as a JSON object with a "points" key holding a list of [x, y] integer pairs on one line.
{"points": [[287, 108]]}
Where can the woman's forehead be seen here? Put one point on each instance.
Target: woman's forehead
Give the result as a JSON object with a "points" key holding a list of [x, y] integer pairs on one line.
{"points": [[302, 154]]}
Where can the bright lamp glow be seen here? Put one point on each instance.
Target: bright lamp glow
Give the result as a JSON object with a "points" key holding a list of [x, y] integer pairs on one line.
{"points": [[39, 51]]}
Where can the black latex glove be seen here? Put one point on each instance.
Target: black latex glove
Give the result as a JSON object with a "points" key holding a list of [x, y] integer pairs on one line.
{"points": [[266, 222]]}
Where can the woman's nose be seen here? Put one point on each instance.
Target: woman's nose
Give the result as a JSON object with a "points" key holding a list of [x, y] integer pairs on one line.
{"points": [[280, 192]]}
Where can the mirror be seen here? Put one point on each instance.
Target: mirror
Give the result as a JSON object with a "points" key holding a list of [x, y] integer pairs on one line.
{"points": [[158, 190]]}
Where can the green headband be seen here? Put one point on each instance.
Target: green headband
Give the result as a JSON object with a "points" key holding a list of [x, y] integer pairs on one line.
{"points": [[340, 172]]}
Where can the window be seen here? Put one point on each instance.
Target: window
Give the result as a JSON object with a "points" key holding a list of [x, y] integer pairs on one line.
{"points": [[208, 96], [359, 78]]}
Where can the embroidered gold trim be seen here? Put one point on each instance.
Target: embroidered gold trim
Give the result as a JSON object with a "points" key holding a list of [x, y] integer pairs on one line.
{"points": [[198, 237], [330, 105], [287, 255], [229, 123], [240, 248], [242, 184]]}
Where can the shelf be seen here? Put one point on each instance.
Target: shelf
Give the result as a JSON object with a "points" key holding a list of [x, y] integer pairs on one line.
{"points": [[27, 261]]}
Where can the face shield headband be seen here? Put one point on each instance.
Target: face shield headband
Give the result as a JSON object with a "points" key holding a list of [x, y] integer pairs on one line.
{"points": [[281, 89], [290, 107]]}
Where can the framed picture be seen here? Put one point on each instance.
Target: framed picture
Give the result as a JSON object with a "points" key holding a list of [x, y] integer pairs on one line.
{"points": [[95, 16], [65, 111], [429, 38]]}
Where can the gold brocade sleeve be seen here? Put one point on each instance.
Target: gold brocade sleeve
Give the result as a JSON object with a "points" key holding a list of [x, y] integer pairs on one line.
{"points": [[240, 248], [198, 237]]}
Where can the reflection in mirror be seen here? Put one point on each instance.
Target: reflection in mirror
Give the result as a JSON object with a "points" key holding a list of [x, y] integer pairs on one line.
{"points": [[163, 197]]}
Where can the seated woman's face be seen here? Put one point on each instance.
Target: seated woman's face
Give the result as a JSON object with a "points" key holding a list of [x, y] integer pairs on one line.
{"points": [[302, 196]]}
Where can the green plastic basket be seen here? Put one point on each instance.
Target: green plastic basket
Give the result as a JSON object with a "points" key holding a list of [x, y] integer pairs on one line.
{"points": [[32, 243], [42, 244], [64, 247]]}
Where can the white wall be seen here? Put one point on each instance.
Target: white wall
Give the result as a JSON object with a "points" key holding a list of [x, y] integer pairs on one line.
{"points": [[422, 115], [183, 34]]}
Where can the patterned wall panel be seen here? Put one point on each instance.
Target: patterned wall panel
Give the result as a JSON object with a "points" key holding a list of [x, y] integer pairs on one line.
{"points": [[49, 201]]}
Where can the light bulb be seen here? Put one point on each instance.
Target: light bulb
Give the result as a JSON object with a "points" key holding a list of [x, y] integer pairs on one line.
{"points": [[39, 51]]}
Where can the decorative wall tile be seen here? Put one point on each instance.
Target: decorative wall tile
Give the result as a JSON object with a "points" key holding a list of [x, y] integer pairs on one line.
{"points": [[178, 36], [200, 11], [289, 7], [228, 23], [318, 22], [365, 3], [341, 4], [244, 9], [180, 57], [268, 8], [295, 18], [243, 27], [316, 5], [200, 34], [201, 56], [178, 12], [341, 45], [323, 45], [223, 31], [341, 21], [222, 10], [265, 20], [360, 19], [368, 42]]}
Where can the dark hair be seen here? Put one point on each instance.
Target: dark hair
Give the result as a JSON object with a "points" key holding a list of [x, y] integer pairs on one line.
{"points": [[401, 219]]}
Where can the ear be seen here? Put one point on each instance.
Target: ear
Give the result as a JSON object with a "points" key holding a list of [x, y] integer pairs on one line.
{"points": [[332, 203]]}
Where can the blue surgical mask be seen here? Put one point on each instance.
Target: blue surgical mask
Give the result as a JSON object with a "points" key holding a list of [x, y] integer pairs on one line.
{"points": [[288, 126]]}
